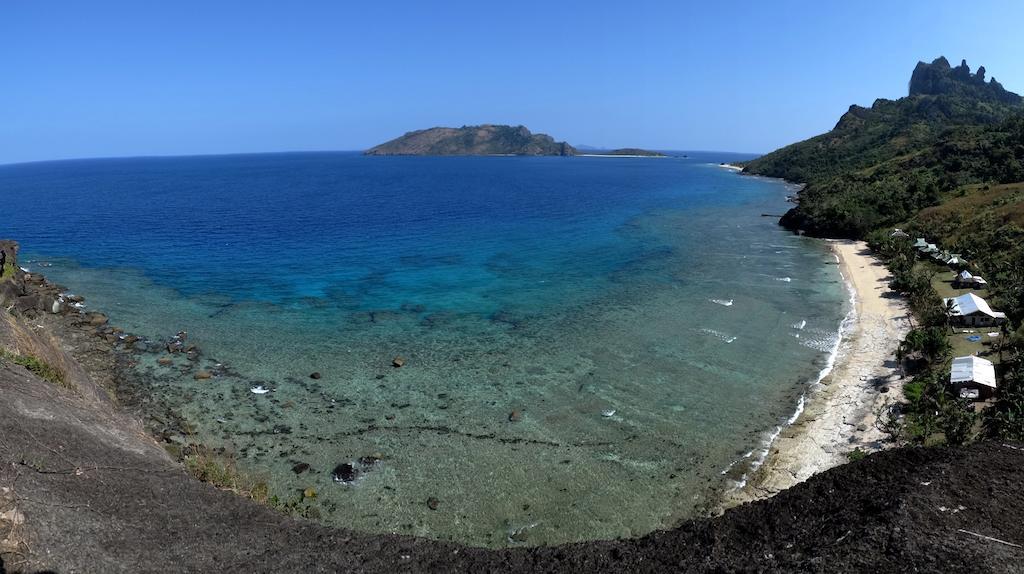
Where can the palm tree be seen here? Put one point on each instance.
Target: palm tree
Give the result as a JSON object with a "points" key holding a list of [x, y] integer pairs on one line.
{"points": [[1001, 342], [949, 314]]}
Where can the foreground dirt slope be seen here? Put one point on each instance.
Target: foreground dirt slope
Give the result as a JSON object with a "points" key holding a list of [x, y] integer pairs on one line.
{"points": [[83, 489]]}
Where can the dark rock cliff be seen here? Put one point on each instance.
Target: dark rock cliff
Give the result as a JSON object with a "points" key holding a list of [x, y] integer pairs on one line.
{"points": [[938, 78]]}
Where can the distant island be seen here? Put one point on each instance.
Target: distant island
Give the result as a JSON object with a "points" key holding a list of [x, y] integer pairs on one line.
{"points": [[491, 139], [484, 139], [626, 151]]}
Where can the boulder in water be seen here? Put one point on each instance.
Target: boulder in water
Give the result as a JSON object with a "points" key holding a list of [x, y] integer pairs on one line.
{"points": [[345, 473]]}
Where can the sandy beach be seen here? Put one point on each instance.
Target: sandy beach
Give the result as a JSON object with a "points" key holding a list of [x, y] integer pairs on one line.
{"points": [[840, 412]]}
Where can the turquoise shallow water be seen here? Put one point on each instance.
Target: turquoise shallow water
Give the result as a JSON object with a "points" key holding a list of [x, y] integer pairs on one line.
{"points": [[559, 288]]}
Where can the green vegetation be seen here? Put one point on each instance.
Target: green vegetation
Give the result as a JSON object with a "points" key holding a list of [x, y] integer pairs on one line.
{"points": [[8, 271], [37, 366], [945, 163], [1005, 420], [220, 471], [856, 454], [883, 165]]}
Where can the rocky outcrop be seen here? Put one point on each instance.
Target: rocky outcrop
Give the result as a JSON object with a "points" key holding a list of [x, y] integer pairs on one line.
{"points": [[23, 291], [938, 78], [474, 140]]}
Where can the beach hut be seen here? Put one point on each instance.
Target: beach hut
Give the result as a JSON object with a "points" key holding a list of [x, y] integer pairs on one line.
{"points": [[920, 243], [972, 311], [930, 249], [899, 233], [964, 280], [973, 378]]}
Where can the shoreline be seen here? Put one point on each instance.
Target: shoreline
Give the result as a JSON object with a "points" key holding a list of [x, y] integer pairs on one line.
{"points": [[838, 413], [92, 490], [834, 415]]}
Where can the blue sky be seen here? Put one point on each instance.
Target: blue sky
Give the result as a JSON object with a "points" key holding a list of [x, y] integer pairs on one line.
{"points": [[99, 78]]}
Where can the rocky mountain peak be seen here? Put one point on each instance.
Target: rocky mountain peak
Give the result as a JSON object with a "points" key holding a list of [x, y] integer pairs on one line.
{"points": [[939, 78]]}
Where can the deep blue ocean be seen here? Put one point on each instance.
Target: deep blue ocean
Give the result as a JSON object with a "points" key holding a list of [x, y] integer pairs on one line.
{"points": [[648, 326]]}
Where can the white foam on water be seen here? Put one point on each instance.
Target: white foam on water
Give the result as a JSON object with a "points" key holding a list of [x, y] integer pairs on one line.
{"points": [[760, 453], [784, 279], [800, 325], [722, 302], [718, 335]]}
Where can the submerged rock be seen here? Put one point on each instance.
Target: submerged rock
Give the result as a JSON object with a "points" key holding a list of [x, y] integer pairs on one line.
{"points": [[371, 459], [315, 375], [201, 375], [433, 503], [345, 472], [300, 468], [515, 416]]}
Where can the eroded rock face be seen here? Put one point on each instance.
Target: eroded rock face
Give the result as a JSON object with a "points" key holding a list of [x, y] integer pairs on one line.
{"points": [[938, 78], [24, 292]]}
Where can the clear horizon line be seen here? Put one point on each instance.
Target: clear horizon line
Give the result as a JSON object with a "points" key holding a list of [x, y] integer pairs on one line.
{"points": [[312, 151]]}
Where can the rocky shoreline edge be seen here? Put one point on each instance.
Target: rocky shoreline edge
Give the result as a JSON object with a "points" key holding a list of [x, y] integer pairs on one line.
{"points": [[84, 486], [106, 353]]}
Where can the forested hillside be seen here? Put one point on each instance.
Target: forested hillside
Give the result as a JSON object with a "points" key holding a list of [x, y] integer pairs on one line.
{"points": [[945, 163]]}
